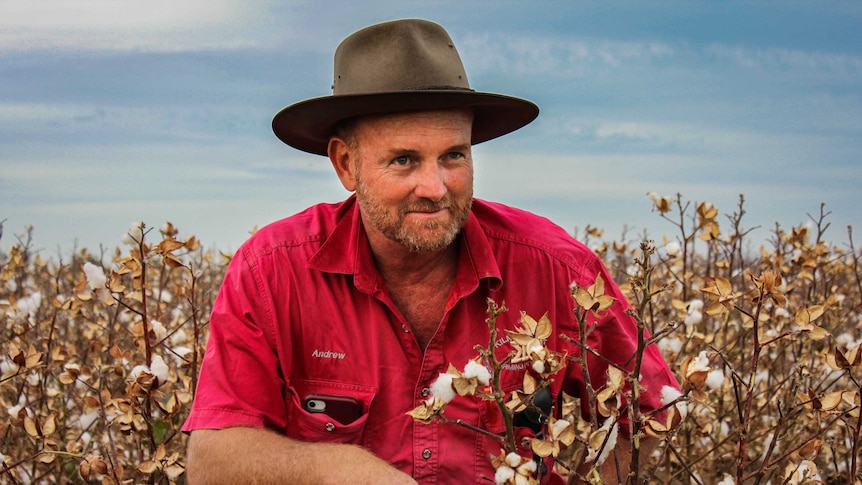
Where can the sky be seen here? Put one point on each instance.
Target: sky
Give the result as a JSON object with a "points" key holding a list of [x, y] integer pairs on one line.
{"points": [[115, 112]]}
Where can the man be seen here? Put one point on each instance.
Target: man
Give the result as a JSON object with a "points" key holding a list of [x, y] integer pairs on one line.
{"points": [[332, 324]]}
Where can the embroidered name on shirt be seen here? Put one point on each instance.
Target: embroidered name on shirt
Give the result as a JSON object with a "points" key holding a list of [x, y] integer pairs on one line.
{"points": [[328, 354]]}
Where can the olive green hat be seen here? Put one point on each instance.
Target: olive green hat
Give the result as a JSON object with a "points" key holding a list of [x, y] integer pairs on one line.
{"points": [[398, 66]]}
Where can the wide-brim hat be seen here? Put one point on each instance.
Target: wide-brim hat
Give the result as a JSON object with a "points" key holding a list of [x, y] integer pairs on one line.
{"points": [[398, 66]]}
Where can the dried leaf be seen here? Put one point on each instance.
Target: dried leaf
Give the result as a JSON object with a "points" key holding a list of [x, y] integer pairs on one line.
{"points": [[544, 448], [168, 245], [31, 426], [806, 315], [148, 467], [810, 450]]}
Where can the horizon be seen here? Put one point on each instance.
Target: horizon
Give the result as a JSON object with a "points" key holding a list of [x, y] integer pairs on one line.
{"points": [[112, 114]]}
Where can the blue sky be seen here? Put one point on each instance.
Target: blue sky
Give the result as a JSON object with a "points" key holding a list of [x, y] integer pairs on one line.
{"points": [[115, 112]]}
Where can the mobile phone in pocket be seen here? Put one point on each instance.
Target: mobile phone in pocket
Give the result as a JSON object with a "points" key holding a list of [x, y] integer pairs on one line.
{"points": [[343, 409]]}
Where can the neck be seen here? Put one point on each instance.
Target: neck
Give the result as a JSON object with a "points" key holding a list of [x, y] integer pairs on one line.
{"points": [[402, 266]]}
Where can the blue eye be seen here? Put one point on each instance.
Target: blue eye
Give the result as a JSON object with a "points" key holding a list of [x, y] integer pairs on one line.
{"points": [[403, 160]]}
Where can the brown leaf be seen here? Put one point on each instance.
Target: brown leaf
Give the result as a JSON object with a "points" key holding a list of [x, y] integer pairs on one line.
{"points": [[427, 410], [84, 470], [544, 448], [806, 315], [50, 425], [810, 450], [831, 400], [31, 426], [148, 467], [168, 245], [33, 357], [655, 429], [597, 438], [172, 261]]}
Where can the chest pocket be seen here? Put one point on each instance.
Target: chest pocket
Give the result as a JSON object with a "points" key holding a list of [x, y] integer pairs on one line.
{"points": [[327, 412]]}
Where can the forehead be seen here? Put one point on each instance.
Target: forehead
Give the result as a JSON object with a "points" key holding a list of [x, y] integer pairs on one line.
{"points": [[418, 123]]}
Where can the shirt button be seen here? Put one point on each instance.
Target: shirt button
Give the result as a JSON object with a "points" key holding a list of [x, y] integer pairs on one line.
{"points": [[404, 327], [426, 453], [330, 427], [425, 392]]}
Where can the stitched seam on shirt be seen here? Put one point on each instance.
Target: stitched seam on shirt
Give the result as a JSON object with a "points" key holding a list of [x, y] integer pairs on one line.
{"points": [[254, 267], [544, 248], [259, 253]]}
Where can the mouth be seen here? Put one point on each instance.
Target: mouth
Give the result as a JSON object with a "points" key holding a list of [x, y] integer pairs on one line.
{"points": [[428, 214]]}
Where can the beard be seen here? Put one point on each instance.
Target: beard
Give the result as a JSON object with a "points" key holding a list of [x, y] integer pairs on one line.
{"points": [[417, 236]]}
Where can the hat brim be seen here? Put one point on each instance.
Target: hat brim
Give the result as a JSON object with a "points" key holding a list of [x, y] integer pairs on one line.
{"points": [[307, 125]]}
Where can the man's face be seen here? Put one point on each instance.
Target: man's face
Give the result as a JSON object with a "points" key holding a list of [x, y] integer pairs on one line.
{"points": [[414, 176]]}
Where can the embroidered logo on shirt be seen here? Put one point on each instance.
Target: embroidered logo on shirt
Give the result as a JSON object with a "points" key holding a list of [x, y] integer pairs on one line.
{"points": [[328, 354], [509, 366]]}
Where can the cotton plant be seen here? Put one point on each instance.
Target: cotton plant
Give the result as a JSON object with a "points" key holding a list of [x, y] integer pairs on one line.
{"points": [[99, 390], [481, 377]]}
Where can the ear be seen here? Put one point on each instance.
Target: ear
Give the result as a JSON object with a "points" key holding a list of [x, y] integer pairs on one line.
{"points": [[343, 161]]}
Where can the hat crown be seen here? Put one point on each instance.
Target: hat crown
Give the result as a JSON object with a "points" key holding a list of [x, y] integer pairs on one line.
{"points": [[402, 55]]}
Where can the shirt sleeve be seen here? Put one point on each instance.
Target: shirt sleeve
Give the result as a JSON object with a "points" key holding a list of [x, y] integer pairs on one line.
{"points": [[240, 382]]}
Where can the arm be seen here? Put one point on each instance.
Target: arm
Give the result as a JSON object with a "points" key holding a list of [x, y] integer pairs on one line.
{"points": [[258, 456]]}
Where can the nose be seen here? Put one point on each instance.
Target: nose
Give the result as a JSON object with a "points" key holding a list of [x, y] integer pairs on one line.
{"points": [[431, 182]]}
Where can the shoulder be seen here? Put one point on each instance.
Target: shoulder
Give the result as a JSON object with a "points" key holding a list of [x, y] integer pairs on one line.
{"points": [[528, 233], [310, 226]]}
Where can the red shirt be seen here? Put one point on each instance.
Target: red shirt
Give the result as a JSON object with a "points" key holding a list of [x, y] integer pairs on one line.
{"points": [[303, 310]]}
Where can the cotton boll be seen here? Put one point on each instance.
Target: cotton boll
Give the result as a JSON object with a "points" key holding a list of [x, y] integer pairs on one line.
{"points": [[670, 394], [137, 370], [134, 235], [715, 379], [503, 475], [727, 480], [700, 363], [539, 366], [29, 305], [6, 366], [477, 370], [179, 338], [34, 379], [513, 459], [87, 419], [611, 442], [159, 369], [158, 329], [442, 388], [672, 249], [180, 353], [670, 345], [694, 317], [95, 276]]}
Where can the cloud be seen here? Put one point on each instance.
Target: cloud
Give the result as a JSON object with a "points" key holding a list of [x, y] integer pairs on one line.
{"points": [[159, 25], [811, 61], [559, 56]]}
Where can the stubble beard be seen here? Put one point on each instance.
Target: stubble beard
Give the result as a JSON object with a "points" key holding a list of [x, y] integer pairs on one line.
{"points": [[419, 237]]}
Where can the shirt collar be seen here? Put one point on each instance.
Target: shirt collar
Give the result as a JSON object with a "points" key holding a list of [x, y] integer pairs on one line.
{"points": [[346, 251]]}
